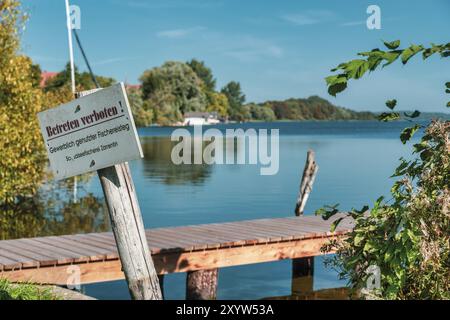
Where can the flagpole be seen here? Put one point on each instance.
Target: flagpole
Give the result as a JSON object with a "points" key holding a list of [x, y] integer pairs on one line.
{"points": [[72, 77], [69, 33]]}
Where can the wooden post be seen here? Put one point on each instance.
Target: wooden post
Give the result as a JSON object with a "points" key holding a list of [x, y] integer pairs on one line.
{"points": [[303, 268], [161, 284], [202, 285], [128, 229], [309, 175]]}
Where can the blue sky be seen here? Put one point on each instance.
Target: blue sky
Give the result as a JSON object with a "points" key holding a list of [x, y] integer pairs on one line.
{"points": [[276, 49]]}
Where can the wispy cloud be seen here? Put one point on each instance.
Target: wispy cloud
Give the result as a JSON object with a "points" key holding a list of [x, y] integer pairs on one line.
{"points": [[353, 23], [112, 60], [178, 33], [309, 17], [170, 4], [250, 49]]}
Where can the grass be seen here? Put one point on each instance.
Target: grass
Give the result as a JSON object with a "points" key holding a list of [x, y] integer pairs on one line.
{"points": [[26, 291]]}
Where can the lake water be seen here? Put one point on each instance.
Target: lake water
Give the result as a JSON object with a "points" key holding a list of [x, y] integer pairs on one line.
{"points": [[355, 160]]}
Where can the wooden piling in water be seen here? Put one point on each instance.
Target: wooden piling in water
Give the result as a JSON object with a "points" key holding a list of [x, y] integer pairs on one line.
{"points": [[202, 285], [303, 268]]}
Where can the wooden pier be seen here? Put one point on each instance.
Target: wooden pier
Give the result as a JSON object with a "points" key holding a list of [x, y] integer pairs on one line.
{"points": [[191, 249]]}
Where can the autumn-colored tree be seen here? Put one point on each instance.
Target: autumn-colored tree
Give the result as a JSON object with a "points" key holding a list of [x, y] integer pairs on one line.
{"points": [[22, 158], [217, 102]]}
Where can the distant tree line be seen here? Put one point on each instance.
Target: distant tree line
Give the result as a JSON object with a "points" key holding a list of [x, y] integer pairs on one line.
{"points": [[175, 88]]}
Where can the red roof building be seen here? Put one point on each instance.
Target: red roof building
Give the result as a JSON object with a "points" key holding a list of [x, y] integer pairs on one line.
{"points": [[45, 76]]}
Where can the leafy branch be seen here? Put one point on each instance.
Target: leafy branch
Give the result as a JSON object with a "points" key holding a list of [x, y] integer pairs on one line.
{"points": [[407, 239], [372, 60]]}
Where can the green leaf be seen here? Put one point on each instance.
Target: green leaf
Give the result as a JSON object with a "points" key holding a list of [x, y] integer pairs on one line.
{"points": [[408, 53], [335, 224], [426, 154], [447, 84], [407, 133], [448, 104], [370, 53], [355, 213], [391, 56], [358, 239], [336, 84], [392, 45], [413, 115], [374, 62], [430, 51], [388, 116], [340, 66], [391, 104], [327, 211], [400, 170], [419, 147], [356, 68], [368, 247]]}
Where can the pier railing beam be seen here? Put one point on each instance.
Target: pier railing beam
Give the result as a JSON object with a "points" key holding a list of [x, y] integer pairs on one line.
{"points": [[202, 285], [303, 268]]}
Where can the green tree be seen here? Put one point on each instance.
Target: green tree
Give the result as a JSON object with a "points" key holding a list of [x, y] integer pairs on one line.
{"points": [[143, 116], [261, 112], [314, 108], [204, 73], [236, 99], [83, 80], [172, 90], [407, 237], [23, 157]]}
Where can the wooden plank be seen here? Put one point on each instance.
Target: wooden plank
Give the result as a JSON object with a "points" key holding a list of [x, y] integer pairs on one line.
{"points": [[248, 234], [27, 251], [19, 259], [170, 243], [178, 262], [110, 250], [60, 243], [63, 256], [230, 235], [9, 263]]}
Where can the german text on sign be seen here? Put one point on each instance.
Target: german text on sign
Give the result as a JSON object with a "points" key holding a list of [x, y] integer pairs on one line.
{"points": [[90, 133]]}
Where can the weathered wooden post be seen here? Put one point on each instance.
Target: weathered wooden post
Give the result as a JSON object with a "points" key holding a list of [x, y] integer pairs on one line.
{"points": [[128, 230], [96, 132], [309, 175], [303, 268], [202, 285]]}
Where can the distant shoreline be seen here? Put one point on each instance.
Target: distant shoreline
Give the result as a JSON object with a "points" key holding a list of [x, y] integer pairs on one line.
{"points": [[425, 116]]}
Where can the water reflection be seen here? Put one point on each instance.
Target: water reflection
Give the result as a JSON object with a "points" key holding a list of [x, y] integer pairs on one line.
{"points": [[198, 168], [159, 166], [53, 212]]}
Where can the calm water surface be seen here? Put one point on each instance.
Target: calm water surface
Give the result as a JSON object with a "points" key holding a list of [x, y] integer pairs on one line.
{"points": [[355, 160]]}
